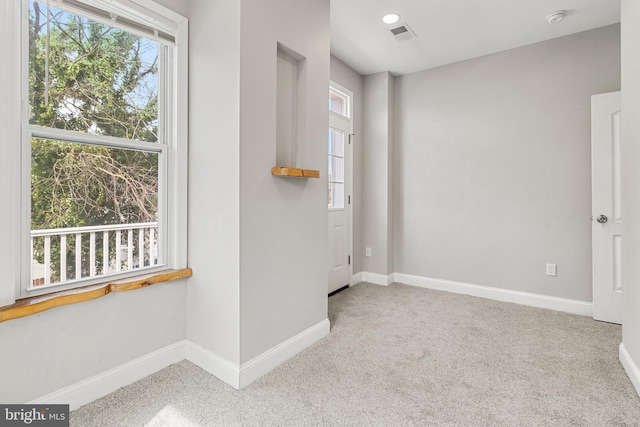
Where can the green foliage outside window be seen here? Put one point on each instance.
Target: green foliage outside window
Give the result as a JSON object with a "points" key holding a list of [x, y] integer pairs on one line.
{"points": [[102, 81]]}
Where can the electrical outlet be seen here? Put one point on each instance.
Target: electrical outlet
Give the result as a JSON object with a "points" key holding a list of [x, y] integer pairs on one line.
{"points": [[551, 269], [367, 251]]}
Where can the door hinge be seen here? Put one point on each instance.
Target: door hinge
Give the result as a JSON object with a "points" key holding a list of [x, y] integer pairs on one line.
{"points": [[349, 259], [351, 135], [349, 198]]}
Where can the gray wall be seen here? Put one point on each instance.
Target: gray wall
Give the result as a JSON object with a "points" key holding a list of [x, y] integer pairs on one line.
{"points": [[179, 6], [257, 243], [213, 317], [630, 133], [284, 226], [59, 347], [56, 348], [378, 174], [493, 165], [346, 77]]}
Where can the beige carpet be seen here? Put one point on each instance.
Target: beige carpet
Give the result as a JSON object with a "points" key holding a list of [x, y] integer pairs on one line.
{"points": [[401, 355]]}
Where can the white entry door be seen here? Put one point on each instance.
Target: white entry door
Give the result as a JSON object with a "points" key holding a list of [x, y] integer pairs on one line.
{"points": [[606, 207], [339, 195]]}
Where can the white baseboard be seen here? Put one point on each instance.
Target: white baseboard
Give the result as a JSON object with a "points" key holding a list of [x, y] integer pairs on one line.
{"points": [[375, 278], [97, 386], [100, 385], [534, 300], [262, 364], [243, 375], [220, 367], [633, 371], [356, 278]]}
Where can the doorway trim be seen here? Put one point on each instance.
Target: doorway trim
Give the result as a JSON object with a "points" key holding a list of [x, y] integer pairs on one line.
{"points": [[349, 199]]}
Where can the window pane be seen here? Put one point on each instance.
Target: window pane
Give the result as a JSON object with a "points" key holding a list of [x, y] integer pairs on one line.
{"points": [[93, 210], [336, 142], [336, 195], [338, 103], [102, 80], [336, 169]]}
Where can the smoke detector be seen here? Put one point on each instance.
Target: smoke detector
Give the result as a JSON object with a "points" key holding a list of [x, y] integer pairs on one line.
{"points": [[556, 16], [402, 32]]}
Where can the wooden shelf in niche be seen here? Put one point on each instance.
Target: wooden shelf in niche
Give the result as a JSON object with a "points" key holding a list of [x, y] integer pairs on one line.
{"points": [[294, 172]]}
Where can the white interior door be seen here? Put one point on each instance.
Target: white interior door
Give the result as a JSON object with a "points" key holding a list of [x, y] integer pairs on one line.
{"points": [[339, 198], [606, 207]]}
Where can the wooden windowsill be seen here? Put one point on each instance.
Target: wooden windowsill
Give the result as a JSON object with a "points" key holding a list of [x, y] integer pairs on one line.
{"points": [[37, 304], [295, 172]]}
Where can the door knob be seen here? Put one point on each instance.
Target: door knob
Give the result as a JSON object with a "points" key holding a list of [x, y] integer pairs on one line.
{"points": [[602, 219]]}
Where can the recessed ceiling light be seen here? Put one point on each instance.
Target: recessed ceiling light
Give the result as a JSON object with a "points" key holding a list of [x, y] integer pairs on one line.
{"points": [[556, 16], [390, 18]]}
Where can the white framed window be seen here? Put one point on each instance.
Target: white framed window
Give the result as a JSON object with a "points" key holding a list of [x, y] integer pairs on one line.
{"points": [[102, 183], [339, 102], [340, 127]]}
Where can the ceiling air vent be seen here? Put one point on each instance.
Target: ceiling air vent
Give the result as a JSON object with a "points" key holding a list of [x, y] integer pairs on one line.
{"points": [[403, 32]]}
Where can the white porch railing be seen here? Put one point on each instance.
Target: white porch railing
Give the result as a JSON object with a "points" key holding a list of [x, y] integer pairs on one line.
{"points": [[94, 251]]}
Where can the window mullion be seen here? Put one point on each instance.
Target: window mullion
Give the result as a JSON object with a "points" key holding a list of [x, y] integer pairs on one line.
{"points": [[163, 161], [87, 138], [25, 204]]}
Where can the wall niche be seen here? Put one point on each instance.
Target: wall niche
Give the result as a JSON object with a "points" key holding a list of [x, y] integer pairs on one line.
{"points": [[291, 115]]}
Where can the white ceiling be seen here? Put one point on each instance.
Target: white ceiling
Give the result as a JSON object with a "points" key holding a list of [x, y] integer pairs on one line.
{"points": [[452, 30]]}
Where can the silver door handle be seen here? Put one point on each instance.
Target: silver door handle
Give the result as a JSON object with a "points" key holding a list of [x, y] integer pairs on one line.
{"points": [[602, 219]]}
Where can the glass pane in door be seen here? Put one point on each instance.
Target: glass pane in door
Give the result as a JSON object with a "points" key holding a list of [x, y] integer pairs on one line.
{"points": [[336, 169]]}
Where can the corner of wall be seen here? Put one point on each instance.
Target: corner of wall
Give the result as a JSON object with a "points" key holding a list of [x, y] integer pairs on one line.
{"points": [[632, 370]]}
